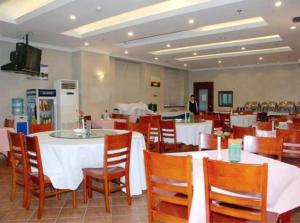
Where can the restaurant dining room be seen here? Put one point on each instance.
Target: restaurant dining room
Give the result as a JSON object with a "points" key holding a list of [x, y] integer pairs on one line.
{"points": [[150, 111]]}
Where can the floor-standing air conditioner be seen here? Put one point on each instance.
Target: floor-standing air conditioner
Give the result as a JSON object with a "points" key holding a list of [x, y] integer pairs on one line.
{"points": [[67, 103]]}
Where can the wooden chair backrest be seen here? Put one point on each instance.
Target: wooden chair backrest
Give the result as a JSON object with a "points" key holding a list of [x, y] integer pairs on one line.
{"points": [[17, 149], [209, 141], [149, 118], [240, 178], [167, 130], [296, 120], [34, 128], [33, 158], [266, 146], [9, 123], [119, 116], [240, 132], [121, 125], [291, 142], [167, 174], [265, 126], [117, 151], [294, 126], [143, 128]]}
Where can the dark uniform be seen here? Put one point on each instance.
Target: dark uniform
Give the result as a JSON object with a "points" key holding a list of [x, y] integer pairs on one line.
{"points": [[193, 107]]}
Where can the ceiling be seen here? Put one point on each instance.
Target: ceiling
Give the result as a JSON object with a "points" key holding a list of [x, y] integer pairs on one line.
{"points": [[223, 33]]}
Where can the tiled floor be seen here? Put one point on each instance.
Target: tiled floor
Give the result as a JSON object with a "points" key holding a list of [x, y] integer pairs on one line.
{"points": [[61, 211]]}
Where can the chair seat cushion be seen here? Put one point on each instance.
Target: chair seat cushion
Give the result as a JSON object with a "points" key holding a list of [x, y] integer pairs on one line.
{"points": [[98, 172], [172, 209]]}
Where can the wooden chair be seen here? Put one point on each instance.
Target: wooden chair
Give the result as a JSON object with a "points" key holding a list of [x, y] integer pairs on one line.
{"points": [[168, 136], [87, 118], [240, 132], [116, 155], [244, 179], [35, 128], [155, 140], [120, 116], [266, 146], [37, 180], [294, 126], [296, 120], [262, 116], [167, 175], [291, 145], [121, 125], [209, 142], [265, 126], [19, 167], [143, 128], [226, 121], [9, 123]]}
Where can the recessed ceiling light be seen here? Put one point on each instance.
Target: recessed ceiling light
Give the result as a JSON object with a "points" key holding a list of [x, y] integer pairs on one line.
{"points": [[220, 61], [155, 58], [185, 65], [86, 44], [191, 21], [260, 58], [72, 17], [168, 45], [130, 33], [98, 8], [243, 48], [195, 54], [278, 4], [126, 52], [293, 27]]}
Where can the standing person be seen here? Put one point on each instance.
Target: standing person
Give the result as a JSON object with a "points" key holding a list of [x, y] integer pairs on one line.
{"points": [[193, 106]]}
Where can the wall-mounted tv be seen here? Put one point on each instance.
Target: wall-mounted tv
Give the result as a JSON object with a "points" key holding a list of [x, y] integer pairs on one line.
{"points": [[25, 59]]}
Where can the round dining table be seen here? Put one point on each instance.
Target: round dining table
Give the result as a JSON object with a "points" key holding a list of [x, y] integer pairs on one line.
{"points": [[65, 154]]}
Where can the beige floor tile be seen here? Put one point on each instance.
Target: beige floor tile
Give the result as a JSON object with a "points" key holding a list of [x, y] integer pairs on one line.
{"points": [[72, 212], [47, 213], [97, 211]]}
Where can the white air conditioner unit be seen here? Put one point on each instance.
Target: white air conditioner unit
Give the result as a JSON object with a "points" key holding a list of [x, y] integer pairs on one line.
{"points": [[67, 103]]}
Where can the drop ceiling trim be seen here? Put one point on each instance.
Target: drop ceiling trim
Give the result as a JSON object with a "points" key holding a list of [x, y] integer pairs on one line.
{"points": [[218, 45], [245, 66], [236, 53], [146, 14]]}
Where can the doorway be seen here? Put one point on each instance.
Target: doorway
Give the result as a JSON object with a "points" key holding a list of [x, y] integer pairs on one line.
{"points": [[204, 92]]}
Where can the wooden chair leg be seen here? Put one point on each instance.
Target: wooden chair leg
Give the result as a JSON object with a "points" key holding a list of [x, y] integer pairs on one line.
{"points": [[85, 195], [29, 196], [41, 202], [13, 186], [74, 199], [106, 196], [128, 194], [89, 185], [25, 196]]}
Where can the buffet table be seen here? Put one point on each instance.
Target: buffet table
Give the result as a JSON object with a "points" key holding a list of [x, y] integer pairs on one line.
{"points": [[64, 158], [282, 187], [242, 120]]}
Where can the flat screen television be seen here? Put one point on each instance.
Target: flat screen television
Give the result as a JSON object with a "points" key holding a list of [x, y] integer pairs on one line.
{"points": [[25, 59]]}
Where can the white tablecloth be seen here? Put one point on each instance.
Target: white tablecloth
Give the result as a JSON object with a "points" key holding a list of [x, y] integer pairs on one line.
{"points": [[283, 183], [188, 133], [63, 160], [242, 120], [4, 144]]}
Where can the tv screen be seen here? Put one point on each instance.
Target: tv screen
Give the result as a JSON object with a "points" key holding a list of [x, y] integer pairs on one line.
{"points": [[28, 58]]}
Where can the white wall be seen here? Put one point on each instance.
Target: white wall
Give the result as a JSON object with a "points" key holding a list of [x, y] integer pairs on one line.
{"points": [[14, 85], [276, 83]]}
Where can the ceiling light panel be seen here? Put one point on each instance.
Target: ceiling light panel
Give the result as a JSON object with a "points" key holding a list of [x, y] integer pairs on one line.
{"points": [[18, 11], [237, 53], [149, 13], [209, 46], [219, 28]]}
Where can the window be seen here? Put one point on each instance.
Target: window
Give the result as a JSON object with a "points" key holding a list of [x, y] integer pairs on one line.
{"points": [[225, 98]]}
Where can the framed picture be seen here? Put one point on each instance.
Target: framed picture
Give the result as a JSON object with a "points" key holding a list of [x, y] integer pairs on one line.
{"points": [[155, 81], [225, 99]]}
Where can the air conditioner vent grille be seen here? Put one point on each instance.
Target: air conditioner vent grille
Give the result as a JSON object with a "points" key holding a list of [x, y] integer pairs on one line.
{"points": [[68, 85]]}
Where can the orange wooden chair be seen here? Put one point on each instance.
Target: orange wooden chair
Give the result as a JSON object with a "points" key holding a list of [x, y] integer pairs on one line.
{"points": [[37, 180], [209, 141], [240, 132], [291, 145], [244, 179], [9, 123], [155, 140], [116, 154], [120, 116], [294, 126], [266, 146], [167, 175], [19, 167], [143, 128], [121, 125], [296, 120], [168, 136], [35, 128], [265, 126]]}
